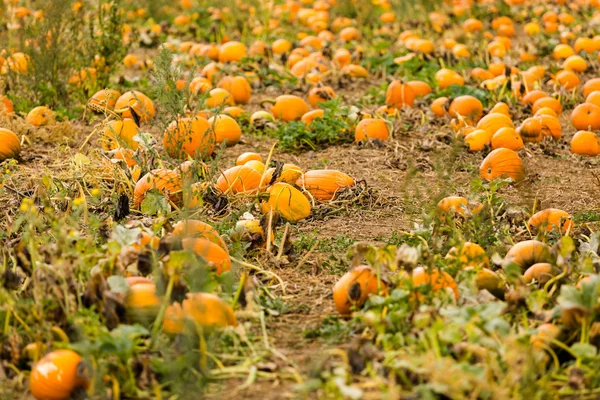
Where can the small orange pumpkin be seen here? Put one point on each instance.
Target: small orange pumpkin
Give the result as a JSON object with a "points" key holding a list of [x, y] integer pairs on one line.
{"points": [[320, 94], [324, 184], [10, 145], [551, 219], [226, 129], [238, 87], [120, 133], [287, 201], [208, 310], [354, 288], [164, 180], [198, 229], [189, 137], [103, 100], [371, 128], [527, 253], [507, 138], [586, 116], [502, 163], [57, 375], [584, 143], [399, 95], [468, 107], [139, 102], [232, 51], [437, 279], [210, 252], [239, 179], [289, 108]]}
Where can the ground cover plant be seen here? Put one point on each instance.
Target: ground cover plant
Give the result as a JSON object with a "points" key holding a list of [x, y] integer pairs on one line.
{"points": [[312, 199]]}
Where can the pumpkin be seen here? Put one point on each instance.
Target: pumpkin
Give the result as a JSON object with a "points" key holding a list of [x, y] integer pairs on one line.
{"points": [[139, 102], [40, 116], [289, 108], [457, 205], [310, 116], [575, 63], [486, 279], [544, 335], [198, 229], [469, 255], [399, 94], [324, 184], [320, 95], [10, 145], [141, 302], [256, 165], [446, 77], [164, 180], [234, 111], [468, 107], [477, 140], [238, 87], [200, 85], [533, 95], [6, 106], [208, 310], [370, 128], [593, 98], [260, 117], [189, 137], [238, 179], [507, 138], [120, 133], [210, 252], [103, 100], [500, 108], [289, 173], [549, 102], [591, 85], [245, 157], [436, 279], [355, 71], [219, 97], [531, 130], [502, 163], [541, 272], [586, 116], [492, 122], [527, 253], [567, 79], [225, 129], [353, 289], [287, 201], [440, 106], [281, 46], [419, 88], [232, 51], [551, 219], [57, 375], [173, 320], [584, 143]]}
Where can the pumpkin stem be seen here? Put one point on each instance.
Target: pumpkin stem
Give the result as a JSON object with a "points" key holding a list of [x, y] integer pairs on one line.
{"points": [[268, 101]]}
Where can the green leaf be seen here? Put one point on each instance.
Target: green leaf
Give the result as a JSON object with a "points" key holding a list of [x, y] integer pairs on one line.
{"points": [[584, 350], [155, 203], [125, 236], [567, 246]]}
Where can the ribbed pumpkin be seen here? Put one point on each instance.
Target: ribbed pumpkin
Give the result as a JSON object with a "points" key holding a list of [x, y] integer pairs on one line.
{"points": [[324, 184], [541, 272], [420, 88], [238, 87], [289, 108], [198, 229], [287, 201], [468, 107], [189, 137], [492, 122], [208, 310], [436, 279], [57, 375], [164, 180], [238, 179], [320, 95], [527, 253], [371, 128], [507, 138], [225, 128], [440, 106], [399, 94], [584, 143], [10, 146], [141, 104], [354, 288], [120, 133], [477, 140], [209, 251], [502, 163], [552, 219], [469, 255], [103, 100]]}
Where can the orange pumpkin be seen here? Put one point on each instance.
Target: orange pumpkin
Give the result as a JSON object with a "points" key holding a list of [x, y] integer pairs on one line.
{"points": [[399, 94], [371, 128], [40, 116], [189, 137], [533, 95], [245, 157], [586, 116], [210, 252], [120, 133], [198, 229], [57, 375], [507, 138], [310, 116], [354, 288], [419, 88], [492, 122], [219, 97], [164, 180], [10, 145], [208, 310], [591, 85], [139, 102], [440, 106], [436, 279], [456, 205], [287, 201], [289, 108], [320, 94], [527, 253], [549, 102], [469, 255], [232, 51], [324, 184], [540, 272], [477, 140], [226, 129], [468, 107], [584, 143], [238, 87], [446, 77], [239, 179], [502, 163], [551, 219], [103, 100]]}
